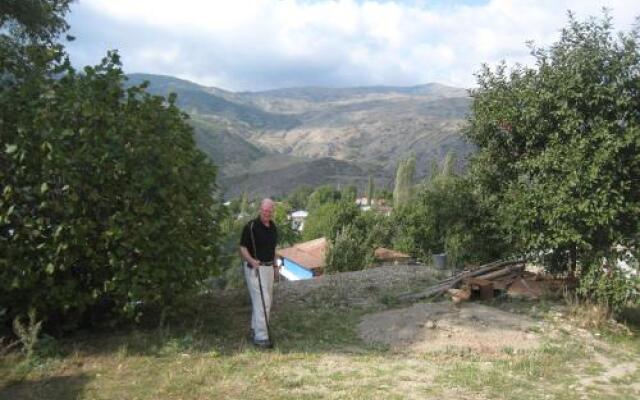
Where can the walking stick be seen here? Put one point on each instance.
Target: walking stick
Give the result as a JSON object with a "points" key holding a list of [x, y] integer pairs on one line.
{"points": [[264, 306]]}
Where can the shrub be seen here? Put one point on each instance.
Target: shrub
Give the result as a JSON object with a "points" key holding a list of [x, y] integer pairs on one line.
{"points": [[105, 202], [328, 219], [609, 286], [447, 216], [348, 251]]}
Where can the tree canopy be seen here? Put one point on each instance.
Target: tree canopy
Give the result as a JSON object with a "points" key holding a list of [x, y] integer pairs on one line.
{"points": [[558, 144], [105, 200]]}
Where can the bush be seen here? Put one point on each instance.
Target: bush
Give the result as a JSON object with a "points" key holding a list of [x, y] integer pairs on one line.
{"points": [[105, 202], [348, 252], [609, 286], [321, 196], [230, 231], [447, 216], [328, 219], [287, 236]]}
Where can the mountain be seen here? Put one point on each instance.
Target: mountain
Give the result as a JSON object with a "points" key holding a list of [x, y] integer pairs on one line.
{"points": [[283, 175], [269, 142], [195, 99]]}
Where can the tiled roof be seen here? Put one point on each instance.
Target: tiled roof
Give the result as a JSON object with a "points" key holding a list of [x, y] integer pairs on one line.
{"points": [[308, 254]]}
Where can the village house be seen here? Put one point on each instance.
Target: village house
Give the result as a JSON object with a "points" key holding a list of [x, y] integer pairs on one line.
{"points": [[297, 219], [302, 260]]}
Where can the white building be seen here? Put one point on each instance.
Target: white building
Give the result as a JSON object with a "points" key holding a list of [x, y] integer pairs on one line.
{"points": [[297, 219]]}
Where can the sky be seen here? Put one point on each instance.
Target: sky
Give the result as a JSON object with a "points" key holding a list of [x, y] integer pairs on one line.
{"points": [[253, 45]]}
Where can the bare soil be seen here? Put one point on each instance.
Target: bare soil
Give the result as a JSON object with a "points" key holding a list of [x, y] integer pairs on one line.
{"points": [[436, 327]]}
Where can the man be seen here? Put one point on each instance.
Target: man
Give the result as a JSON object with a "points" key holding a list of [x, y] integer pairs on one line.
{"points": [[258, 252]]}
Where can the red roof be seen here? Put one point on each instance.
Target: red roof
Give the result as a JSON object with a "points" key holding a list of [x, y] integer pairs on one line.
{"points": [[309, 254]]}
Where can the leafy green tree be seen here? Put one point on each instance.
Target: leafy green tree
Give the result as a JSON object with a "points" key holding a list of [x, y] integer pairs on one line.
{"points": [[559, 153], [234, 206], [354, 245], [104, 198], [384, 194], [375, 229], [322, 195], [230, 230], [328, 219], [558, 145], [349, 193], [448, 164], [299, 197], [286, 234], [447, 216], [245, 209], [33, 21], [404, 181]]}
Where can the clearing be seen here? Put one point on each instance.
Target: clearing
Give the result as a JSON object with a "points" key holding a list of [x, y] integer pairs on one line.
{"points": [[342, 337]]}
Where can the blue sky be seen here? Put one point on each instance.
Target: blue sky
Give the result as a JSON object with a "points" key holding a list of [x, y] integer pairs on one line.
{"points": [[264, 44]]}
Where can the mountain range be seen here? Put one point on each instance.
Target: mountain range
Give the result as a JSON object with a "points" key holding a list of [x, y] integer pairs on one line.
{"points": [[267, 143]]}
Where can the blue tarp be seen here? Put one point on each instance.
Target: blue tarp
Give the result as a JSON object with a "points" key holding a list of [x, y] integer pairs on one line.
{"points": [[294, 271]]}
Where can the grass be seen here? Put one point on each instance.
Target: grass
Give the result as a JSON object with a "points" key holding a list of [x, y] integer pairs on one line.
{"points": [[204, 353]]}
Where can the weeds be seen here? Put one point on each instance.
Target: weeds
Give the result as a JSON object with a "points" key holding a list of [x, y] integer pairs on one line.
{"points": [[592, 316], [6, 346], [28, 335]]}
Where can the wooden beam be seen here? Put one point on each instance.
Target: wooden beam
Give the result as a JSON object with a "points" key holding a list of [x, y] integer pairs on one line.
{"points": [[453, 281]]}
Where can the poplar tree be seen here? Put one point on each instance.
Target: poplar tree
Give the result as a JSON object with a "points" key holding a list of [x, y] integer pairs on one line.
{"points": [[370, 190], [404, 181]]}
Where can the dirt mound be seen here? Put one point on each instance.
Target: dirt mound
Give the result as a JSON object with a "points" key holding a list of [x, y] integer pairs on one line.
{"points": [[434, 327], [357, 287]]}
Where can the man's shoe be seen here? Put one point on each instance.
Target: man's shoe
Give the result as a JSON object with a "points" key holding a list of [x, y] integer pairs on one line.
{"points": [[263, 344]]}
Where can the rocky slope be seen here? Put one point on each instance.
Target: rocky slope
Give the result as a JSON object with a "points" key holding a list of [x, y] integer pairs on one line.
{"points": [[269, 142]]}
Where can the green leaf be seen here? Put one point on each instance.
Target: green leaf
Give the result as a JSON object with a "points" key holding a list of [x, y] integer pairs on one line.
{"points": [[50, 269], [57, 232], [10, 148]]}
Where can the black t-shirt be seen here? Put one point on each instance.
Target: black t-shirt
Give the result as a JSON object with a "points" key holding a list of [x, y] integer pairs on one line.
{"points": [[266, 239]]}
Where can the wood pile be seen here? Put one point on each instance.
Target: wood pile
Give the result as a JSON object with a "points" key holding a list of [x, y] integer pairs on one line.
{"points": [[482, 282]]}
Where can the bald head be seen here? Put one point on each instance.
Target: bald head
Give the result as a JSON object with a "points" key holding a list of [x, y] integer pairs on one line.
{"points": [[266, 210], [266, 202]]}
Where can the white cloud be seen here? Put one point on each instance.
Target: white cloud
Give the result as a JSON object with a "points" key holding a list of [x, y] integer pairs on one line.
{"points": [[252, 45]]}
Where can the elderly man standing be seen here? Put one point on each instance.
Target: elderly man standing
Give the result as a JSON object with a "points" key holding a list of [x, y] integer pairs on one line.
{"points": [[258, 252]]}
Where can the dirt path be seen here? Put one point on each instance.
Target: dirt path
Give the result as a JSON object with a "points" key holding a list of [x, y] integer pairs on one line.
{"points": [[607, 381]]}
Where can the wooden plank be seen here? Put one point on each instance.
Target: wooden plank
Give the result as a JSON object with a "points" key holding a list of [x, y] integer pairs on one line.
{"points": [[502, 272], [452, 282]]}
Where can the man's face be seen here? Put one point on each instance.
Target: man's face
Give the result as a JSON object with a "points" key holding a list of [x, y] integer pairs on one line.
{"points": [[266, 212]]}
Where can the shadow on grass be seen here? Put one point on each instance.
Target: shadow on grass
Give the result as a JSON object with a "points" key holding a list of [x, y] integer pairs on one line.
{"points": [[57, 387], [218, 324], [631, 315]]}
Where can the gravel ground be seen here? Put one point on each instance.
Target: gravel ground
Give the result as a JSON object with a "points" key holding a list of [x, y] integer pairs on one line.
{"points": [[358, 287]]}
